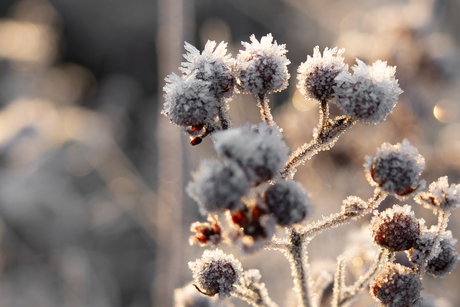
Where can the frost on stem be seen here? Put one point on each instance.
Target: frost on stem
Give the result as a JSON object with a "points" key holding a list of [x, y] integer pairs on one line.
{"points": [[262, 67], [189, 297], [440, 196], [218, 186], [370, 93], [288, 201], [395, 169], [216, 273], [316, 76], [213, 65], [260, 151], [189, 101], [396, 286], [396, 228]]}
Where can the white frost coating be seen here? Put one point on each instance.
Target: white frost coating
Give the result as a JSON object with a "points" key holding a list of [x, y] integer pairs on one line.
{"points": [[188, 296], [370, 94], [216, 273], [213, 65], [189, 101], [260, 151], [316, 76], [217, 186], [262, 67], [440, 195], [395, 168], [288, 201]]}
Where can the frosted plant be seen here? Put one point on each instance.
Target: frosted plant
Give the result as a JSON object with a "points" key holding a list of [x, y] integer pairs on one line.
{"points": [[249, 193]]}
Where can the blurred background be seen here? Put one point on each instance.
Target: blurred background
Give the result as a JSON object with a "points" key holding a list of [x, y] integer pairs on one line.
{"points": [[92, 209]]}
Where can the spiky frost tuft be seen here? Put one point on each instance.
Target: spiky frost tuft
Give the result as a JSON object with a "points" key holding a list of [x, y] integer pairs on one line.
{"points": [[316, 76], [440, 195], [370, 94], [262, 67]]}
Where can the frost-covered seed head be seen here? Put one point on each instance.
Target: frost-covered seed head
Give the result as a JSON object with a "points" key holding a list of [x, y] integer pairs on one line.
{"points": [[262, 67], [316, 76], [260, 152], [288, 201], [217, 186], [213, 65], [395, 168], [370, 93], [189, 101], [396, 228], [440, 195], [396, 286], [189, 297], [216, 273], [446, 261]]}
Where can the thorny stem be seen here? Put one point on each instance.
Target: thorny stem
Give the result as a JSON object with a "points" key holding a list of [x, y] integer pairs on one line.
{"points": [[265, 112], [338, 219], [297, 255], [358, 286]]}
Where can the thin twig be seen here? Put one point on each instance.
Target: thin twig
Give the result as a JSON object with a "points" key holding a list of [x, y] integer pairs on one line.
{"points": [[265, 112]]}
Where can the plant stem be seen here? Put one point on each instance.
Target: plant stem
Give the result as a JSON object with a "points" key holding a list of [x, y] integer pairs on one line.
{"points": [[265, 112]]}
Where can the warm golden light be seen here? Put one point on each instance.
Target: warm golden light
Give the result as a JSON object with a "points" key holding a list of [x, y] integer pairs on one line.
{"points": [[446, 110], [301, 104]]}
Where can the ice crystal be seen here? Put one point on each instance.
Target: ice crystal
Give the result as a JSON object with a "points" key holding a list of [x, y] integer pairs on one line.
{"points": [[370, 93], [396, 286], [260, 152], [216, 273], [316, 76], [288, 201], [217, 186], [213, 65], [440, 195], [396, 228], [189, 101], [395, 168], [262, 67]]}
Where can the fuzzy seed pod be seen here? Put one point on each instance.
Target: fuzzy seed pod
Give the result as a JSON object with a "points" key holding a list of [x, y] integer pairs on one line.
{"points": [[216, 273], [396, 228], [446, 261], [288, 202], [395, 168], [396, 286]]}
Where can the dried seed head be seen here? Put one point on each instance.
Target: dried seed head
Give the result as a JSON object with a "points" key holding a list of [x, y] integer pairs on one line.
{"points": [[316, 76], [396, 286], [396, 228], [440, 195], [262, 67], [206, 233], [218, 186], [370, 93], [261, 152], [189, 101], [288, 201], [395, 168], [213, 65], [216, 273], [446, 260]]}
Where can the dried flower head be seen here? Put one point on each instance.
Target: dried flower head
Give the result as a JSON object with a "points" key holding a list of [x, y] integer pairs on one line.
{"points": [[396, 286], [262, 67], [396, 228], [216, 273], [395, 168], [189, 297], [288, 201], [446, 260], [189, 101], [213, 65], [260, 151], [209, 233], [316, 76], [440, 195], [370, 93], [217, 186]]}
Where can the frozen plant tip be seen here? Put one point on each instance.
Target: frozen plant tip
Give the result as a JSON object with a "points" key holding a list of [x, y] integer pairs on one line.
{"points": [[316, 76], [440, 195], [395, 168], [262, 67], [216, 273], [370, 93]]}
